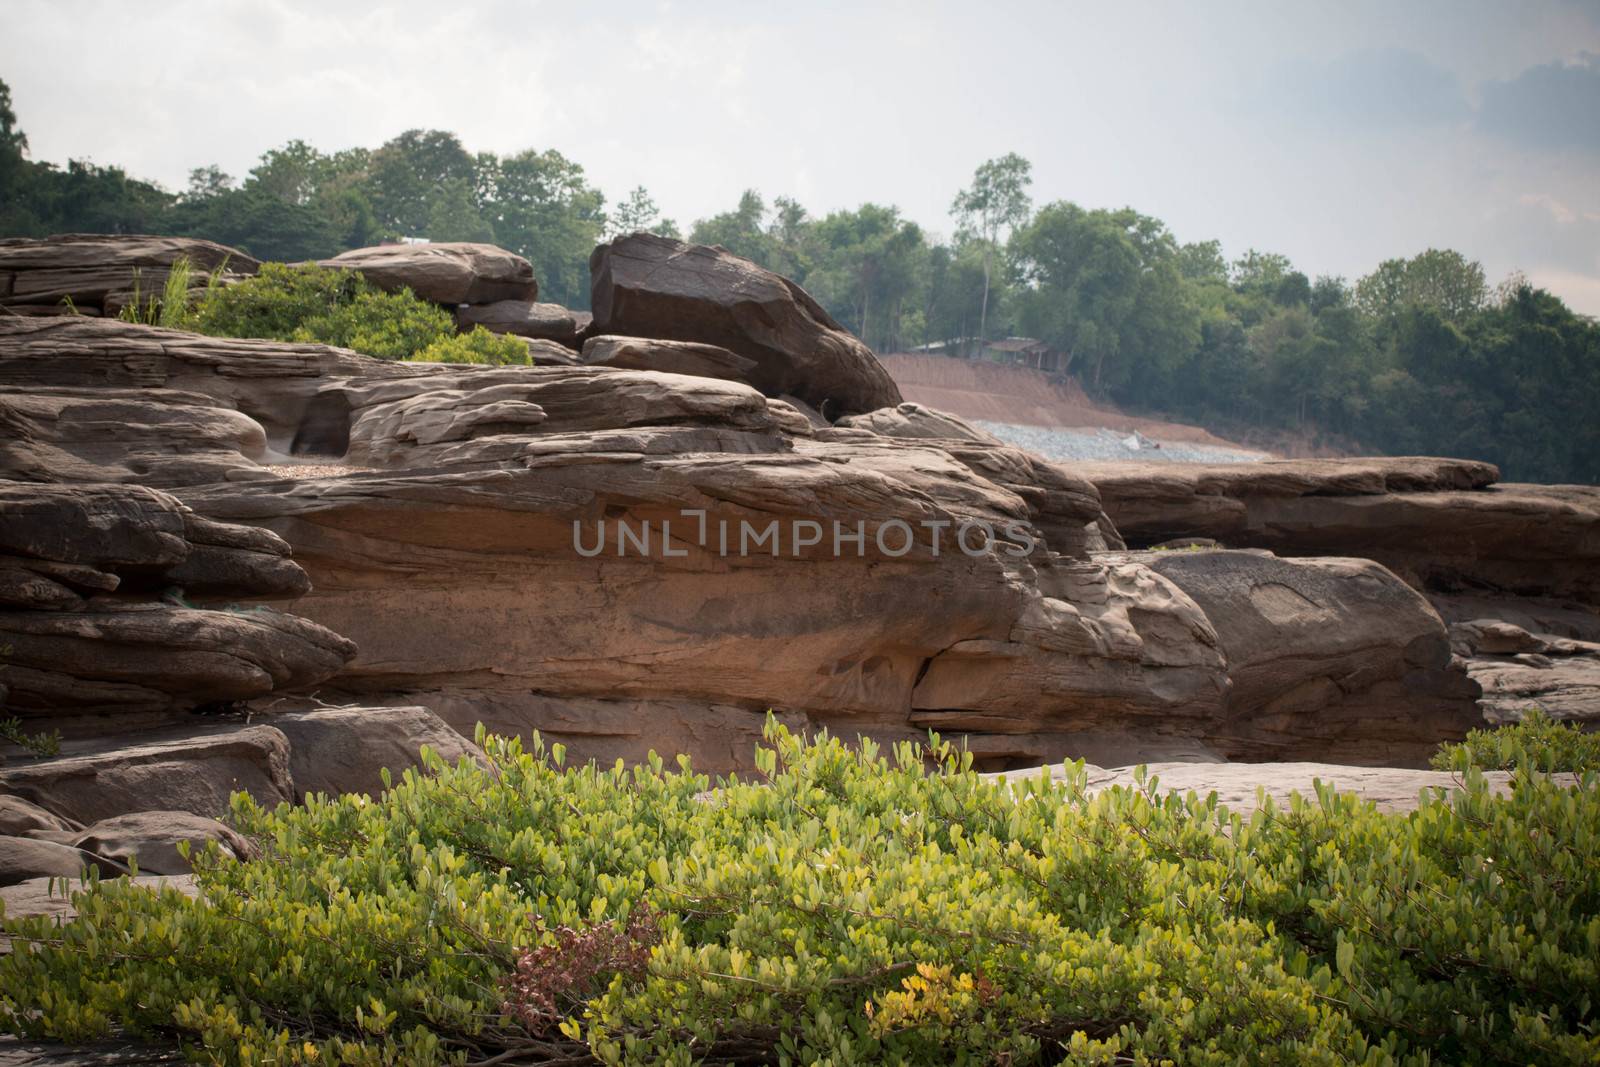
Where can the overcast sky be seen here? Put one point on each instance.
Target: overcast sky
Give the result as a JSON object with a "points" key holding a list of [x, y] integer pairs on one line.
{"points": [[1339, 134]]}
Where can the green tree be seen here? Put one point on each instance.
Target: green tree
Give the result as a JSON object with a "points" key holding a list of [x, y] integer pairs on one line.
{"points": [[995, 204], [543, 208], [741, 231], [1443, 280], [638, 212]]}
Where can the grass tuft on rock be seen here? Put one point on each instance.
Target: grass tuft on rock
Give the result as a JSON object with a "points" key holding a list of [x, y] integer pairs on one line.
{"points": [[848, 906]]}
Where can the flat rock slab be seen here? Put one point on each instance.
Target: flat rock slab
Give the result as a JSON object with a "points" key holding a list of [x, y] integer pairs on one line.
{"points": [[193, 771], [1392, 789], [454, 272]]}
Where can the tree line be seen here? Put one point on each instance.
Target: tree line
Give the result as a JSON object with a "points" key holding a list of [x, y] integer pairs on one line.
{"points": [[1419, 356]]}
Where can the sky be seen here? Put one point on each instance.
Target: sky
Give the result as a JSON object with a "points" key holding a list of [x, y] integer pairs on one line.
{"points": [[1337, 134]]}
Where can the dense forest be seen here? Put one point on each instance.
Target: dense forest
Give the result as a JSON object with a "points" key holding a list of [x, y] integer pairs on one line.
{"points": [[1421, 355]]}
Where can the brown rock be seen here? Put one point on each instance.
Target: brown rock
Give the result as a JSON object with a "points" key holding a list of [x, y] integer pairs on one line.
{"points": [[85, 267], [916, 422], [149, 840], [647, 286], [19, 818], [344, 750], [447, 273], [525, 318], [173, 770], [1440, 524], [673, 357], [22, 858], [152, 657], [1333, 657]]}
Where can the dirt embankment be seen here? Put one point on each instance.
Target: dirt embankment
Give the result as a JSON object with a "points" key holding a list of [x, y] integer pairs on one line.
{"points": [[977, 389]]}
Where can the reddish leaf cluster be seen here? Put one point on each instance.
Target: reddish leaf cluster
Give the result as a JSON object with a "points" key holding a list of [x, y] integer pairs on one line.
{"points": [[573, 964]]}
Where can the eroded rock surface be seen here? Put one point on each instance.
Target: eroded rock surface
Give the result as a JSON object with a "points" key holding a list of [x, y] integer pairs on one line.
{"points": [[449, 272], [1443, 525], [648, 286], [84, 269]]}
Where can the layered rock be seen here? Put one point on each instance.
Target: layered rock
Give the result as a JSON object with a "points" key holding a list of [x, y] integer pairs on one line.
{"points": [[648, 286], [524, 318], [674, 357], [176, 769], [85, 269], [1329, 651], [451, 272], [1441, 524], [94, 615]]}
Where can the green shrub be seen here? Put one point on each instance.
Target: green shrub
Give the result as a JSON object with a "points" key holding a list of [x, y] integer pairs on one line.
{"points": [[41, 745], [477, 346], [311, 304], [847, 909], [1537, 741]]}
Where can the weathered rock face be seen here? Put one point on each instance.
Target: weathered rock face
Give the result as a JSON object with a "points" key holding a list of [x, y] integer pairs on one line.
{"points": [[150, 839], [344, 750], [22, 858], [93, 581], [674, 357], [1332, 651], [85, 268], [1440, 524], [464, 554], [446, 273], [173, 770], [648, 286], [525, 318]]}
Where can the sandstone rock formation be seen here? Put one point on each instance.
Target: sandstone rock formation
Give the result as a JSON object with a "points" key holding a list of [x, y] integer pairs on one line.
{"points": [[1332, 651], [446, 273], [1441, 524], [84, 269], [648, 286], [463, 527], [674, 357], [525, 318], [94, 615]]}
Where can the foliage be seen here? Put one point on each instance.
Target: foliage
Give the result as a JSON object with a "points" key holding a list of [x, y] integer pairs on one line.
{"points": [[40, 745], [848, 908], [1536, 741], [308, 303], [476, 346]]}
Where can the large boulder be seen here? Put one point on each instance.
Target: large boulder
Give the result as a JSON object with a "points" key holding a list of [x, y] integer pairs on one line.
{"points": [[525, 318], [345, 750], [451, 272], [84, 268], [1325, 652], [190, 770], [149, 840], [22, 858], [648, 286]]}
